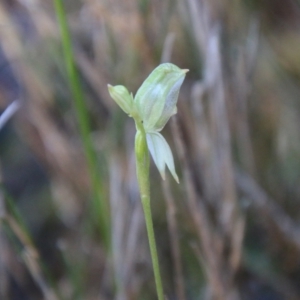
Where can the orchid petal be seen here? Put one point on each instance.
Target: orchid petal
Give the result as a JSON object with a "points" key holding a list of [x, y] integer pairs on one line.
{"points": [[122, 97], [161, 153], [156, 98]]}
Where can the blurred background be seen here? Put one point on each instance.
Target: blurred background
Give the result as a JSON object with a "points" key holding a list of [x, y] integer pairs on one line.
{"points": [[71, 221]]}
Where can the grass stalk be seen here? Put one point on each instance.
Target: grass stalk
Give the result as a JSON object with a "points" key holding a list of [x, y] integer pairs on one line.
{"points": [[83, 121], [15, 227], [142, 165]]}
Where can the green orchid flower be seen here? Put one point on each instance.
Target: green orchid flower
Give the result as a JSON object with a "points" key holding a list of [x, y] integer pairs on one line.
{"points": [[153, 105], [151, 108]]}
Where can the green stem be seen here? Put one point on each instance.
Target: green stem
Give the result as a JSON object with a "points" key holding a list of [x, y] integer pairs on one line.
{"points": [[83, 121], [142, 165]]}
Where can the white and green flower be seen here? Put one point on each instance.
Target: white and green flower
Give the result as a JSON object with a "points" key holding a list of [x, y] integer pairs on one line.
{"points": [[153, 105]]}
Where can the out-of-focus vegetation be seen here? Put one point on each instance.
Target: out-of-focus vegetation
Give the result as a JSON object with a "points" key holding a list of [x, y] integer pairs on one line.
{"points": [[230, 230]]}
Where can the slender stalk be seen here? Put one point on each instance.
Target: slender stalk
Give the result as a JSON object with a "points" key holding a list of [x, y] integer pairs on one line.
{"points": [[83, 120], [142, 165]]}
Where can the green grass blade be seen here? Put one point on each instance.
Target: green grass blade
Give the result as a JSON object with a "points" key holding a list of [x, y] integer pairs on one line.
{"points": [[83, 121]]}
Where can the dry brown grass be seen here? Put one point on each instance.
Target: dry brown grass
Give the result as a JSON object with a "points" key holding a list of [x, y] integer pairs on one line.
{"points": [[230, 229]]}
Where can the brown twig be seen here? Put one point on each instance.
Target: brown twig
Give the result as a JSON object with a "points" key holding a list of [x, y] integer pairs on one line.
{"points": [[267, 207], [118, 226], [3, 272], [174, 239], [199, 213], [31, 258]]}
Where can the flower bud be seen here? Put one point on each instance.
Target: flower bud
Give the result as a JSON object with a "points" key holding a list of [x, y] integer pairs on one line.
{"points": [[157, 97], [121, 95]]}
